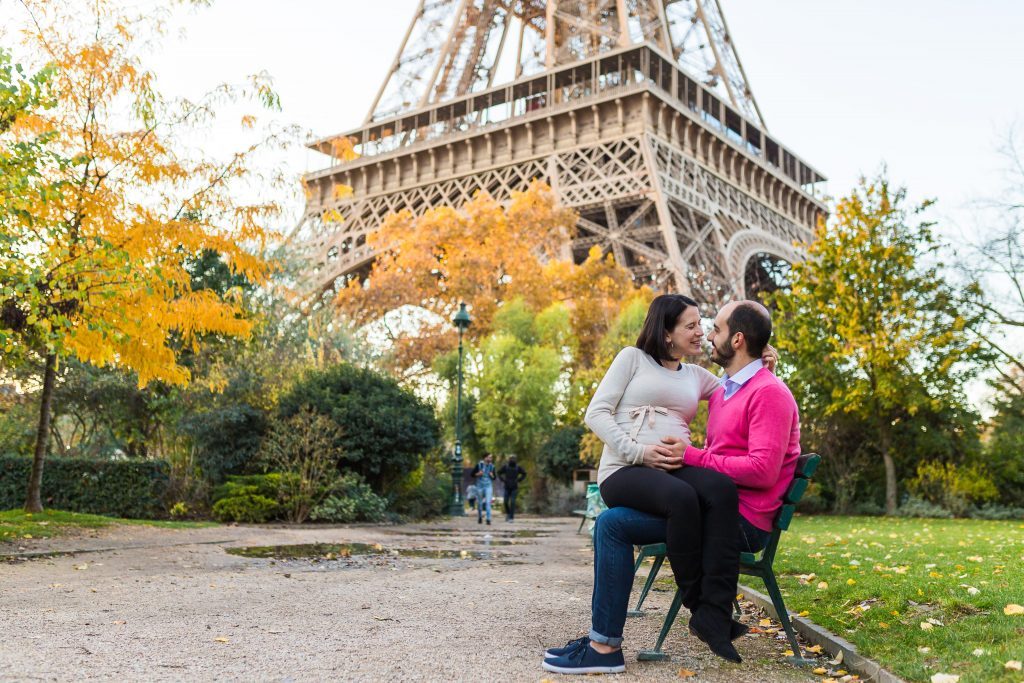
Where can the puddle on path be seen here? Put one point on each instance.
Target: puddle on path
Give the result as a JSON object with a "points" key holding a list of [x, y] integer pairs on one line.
{"points": [[506, 533], [339, 551]]}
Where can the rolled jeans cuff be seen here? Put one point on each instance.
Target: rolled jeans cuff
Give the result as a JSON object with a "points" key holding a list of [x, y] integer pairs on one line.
{"points": [[605, 640]]}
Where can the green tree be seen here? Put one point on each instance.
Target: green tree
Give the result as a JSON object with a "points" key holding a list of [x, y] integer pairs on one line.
{"points": [[869, 326], [521, 382], [560, 454], [1004, 452], [385, 430]]}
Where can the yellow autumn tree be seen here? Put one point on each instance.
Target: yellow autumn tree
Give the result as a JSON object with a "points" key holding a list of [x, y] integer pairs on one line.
{"points": [[481, 253], [93, 254]]}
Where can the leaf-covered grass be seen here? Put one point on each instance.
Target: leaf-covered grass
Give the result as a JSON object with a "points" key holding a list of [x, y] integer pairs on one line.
{"points": [[18, 524], [876, 581]]}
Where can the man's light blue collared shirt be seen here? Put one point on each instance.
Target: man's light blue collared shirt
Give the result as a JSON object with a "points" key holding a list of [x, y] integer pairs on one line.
{"points": [[733, 384]]}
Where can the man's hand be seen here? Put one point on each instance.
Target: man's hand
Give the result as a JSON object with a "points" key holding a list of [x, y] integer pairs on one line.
{"points": [[675, 447], [661, 458], [770, 356]]}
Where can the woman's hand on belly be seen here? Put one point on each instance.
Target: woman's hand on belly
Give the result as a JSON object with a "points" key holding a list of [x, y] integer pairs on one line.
{"points": [[660, 457]]}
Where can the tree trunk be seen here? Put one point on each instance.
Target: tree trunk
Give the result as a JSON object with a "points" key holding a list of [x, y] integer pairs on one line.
{"points": [[885, 442], [33, 499]]}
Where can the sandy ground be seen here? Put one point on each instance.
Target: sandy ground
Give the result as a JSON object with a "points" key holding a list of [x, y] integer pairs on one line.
{"points": [[172, 605]]}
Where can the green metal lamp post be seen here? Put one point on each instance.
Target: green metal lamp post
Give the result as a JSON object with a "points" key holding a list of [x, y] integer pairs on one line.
{"points": [[461, 321]]}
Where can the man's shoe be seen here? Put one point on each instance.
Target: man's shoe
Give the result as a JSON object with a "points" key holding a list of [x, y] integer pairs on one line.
{"points": [[568, 648], [479, 520], [488, 522], [721, 647], [587, 660]]}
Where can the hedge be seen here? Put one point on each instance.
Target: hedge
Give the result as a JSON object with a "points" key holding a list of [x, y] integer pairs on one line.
{"points": [[118, 488]]}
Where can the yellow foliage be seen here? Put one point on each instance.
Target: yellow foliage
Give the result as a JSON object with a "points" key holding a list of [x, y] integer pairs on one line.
{"points": [[98, 261]]}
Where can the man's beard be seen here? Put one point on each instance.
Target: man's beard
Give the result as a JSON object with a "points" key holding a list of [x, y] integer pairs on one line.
{"points": [[722, 356]]}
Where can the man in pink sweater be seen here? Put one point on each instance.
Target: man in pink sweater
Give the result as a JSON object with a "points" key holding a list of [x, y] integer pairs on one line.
{"points": [[753, 437], [753, 431]]}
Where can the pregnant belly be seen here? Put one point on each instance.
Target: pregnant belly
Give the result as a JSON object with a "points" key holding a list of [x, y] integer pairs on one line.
{"points": [[646, 433]]}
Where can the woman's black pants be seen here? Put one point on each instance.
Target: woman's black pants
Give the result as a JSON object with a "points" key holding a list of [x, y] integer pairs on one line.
{"points": [[702, 514]]}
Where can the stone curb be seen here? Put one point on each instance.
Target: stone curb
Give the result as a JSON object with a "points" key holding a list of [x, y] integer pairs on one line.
{"points": [[867, 669]]}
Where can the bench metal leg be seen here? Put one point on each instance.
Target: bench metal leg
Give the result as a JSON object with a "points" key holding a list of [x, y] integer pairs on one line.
{"points": [[637, 611], [780, 609], [583, 520], [656, 655]]}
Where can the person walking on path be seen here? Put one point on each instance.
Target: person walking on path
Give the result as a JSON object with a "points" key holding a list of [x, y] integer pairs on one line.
{"points": [[484, 475], [511, 476]]}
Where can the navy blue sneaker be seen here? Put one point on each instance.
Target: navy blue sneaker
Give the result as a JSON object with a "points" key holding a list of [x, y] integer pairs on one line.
{"points": [[587, 660], [569, 648]]}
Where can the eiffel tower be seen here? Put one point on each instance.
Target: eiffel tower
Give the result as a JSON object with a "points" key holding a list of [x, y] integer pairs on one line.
{"points": [[636, 112]]}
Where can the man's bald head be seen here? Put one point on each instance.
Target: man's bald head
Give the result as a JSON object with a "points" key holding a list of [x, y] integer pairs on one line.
{"points": [[753, 320]]}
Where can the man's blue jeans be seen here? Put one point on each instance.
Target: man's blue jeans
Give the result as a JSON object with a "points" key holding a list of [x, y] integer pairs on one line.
{"points": [[616, 532]]}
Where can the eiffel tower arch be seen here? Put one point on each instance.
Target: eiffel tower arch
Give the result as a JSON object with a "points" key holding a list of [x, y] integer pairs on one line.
{"points": [[636, 112]]}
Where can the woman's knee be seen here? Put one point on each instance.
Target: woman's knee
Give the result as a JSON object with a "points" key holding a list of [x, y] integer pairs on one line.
{"points": [[718, 489]]}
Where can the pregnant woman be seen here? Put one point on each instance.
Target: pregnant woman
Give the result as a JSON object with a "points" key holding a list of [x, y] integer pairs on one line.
{"points": [[646, 395]]}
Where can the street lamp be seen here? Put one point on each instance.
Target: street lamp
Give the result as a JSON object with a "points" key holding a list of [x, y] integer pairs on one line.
{"points": [[461, 321]]}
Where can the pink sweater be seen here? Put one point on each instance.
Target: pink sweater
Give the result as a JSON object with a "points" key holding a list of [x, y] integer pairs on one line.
{"points": [[754, 438]]}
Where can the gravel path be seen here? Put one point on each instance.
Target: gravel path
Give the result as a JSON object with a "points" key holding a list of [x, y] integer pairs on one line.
{"points": [[168, 605]]}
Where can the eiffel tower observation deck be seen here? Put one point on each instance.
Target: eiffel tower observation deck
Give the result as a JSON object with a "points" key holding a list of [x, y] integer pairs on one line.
{"points": [[636, 112]]}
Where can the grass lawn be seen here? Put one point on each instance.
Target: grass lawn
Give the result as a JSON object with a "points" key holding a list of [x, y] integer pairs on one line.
{"points": [[919, 596], [18, 524]]}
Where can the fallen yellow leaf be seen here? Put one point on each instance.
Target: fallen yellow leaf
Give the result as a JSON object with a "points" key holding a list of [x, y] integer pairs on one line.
{"points": [[221, 639], [1013, 665], [850, 582], [765, 622], [1013, 610], [816, 649], [821, 671], [823, 585], [686, 673], [925, 626], [804, 613], [787, 653]]}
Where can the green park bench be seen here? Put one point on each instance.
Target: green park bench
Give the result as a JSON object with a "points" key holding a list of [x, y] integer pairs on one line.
{"points": [[595, 506], [750, 564]]}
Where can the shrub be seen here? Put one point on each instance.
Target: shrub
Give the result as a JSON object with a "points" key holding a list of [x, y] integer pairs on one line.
{"points": [[954, 488], [866, 508], [549, 497], [118, 488], [250, 508], [560, 454], [304, 449], [240, 485], [815, 501], [386, 430], [226, 439], [249, 498], [426, 492], [996, 511], [350, 500], [916, 507]]}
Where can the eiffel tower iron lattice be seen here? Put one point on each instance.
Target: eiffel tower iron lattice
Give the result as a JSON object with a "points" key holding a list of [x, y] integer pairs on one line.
{"points": [[636, 112]]}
